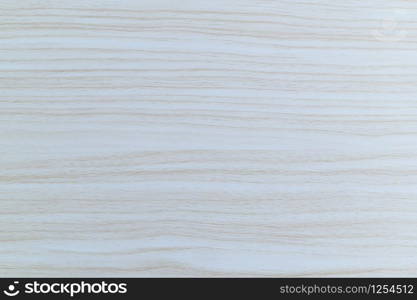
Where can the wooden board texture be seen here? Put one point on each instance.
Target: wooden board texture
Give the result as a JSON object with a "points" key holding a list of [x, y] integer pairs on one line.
{"points": [[208, 138]]}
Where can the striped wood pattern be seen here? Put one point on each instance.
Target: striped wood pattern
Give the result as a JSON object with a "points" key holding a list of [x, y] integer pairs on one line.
{"points": [[208, 138]]}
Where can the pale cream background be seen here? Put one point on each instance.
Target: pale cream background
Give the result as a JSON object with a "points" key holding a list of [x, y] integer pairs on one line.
{"points": [[208, 138]]}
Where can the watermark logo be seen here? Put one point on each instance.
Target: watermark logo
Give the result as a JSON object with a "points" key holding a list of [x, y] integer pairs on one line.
{"points": [[12, 290], [389, 29], [66, 288]]}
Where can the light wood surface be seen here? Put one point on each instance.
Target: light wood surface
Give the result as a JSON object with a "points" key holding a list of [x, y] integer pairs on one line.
{"points": [[208, 138]]}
